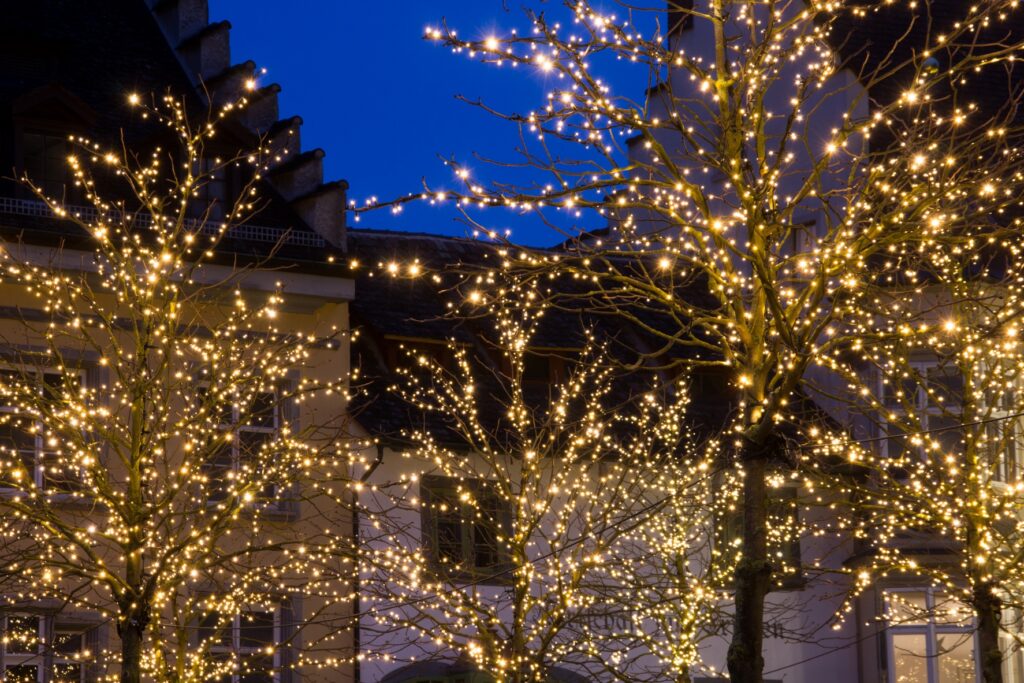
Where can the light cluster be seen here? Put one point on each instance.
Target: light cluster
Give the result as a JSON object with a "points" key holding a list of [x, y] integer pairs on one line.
{"points": [[819, 219], [169, 425]]}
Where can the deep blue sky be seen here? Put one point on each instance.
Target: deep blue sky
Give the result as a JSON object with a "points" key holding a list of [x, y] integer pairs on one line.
{"points": [[380, 100]]}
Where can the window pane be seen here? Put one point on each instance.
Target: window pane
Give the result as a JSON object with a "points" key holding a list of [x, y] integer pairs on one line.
{"points": [[449, 536], [252, 449], [949, 610], [1013, 661], [900, 393], [218, 410], [895, 442], [58, 474], [218, 471], [257, 629], [945, 383], [485, 542], [56, 385], [956, 657], [68, 642], [67, 672], [263, 410], [909, 660], [21, 673], [17, 443], [212, 628], [257, 669], [22, 634], [947, 432], [251, 444]]}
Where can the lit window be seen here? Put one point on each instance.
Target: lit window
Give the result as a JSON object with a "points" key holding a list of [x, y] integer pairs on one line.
{"points": [[1010, 644], [930, 637]]}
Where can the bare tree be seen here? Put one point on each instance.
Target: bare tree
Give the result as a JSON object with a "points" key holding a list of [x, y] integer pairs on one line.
{"points": [[781, 154], [168, 424], [938, 396], [526, 527]]}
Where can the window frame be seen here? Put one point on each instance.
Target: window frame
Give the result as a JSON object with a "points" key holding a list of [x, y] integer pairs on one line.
{"points": [[237, 652], [432, 487], [931, 629], [40, 451], [236, 453], [46, 657], [924, 408]]}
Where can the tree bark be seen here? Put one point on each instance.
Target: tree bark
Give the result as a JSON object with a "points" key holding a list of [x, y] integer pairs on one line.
{"points": [[745, 659], [988, 607], [132, 631]]}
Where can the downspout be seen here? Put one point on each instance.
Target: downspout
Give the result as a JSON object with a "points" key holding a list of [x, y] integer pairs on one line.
{"points": [[356, 587]]}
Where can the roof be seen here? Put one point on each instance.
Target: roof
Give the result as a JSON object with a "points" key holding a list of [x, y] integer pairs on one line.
{"points": [[894, 33], [395, 308], [74, 63]]}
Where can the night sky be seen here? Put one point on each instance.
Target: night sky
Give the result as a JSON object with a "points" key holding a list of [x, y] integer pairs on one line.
{"points": [[380, 99]]}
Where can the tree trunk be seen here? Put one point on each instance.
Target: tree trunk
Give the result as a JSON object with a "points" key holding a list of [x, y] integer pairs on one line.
{"points": [[988, 608], [131, 631], [753, 573]]}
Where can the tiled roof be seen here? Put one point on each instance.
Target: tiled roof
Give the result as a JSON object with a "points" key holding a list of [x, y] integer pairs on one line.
{"points": [[403, 308]]}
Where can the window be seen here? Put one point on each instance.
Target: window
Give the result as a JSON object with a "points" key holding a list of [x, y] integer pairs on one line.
{"points": [[464, 528], [1002, 436], [239, 455], [545, 366], [929, 637], [928, 397], [1003, 431], [247, 644], [35, 457], [783, 535], [37, 648], [45, 162]]}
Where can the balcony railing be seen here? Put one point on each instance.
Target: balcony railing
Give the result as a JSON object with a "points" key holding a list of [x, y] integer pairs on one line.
{"points": [[35, 208]]}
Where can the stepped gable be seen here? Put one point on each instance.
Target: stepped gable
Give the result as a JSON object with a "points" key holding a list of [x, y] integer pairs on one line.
{"points": [[67, 67], [204, 50]]}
